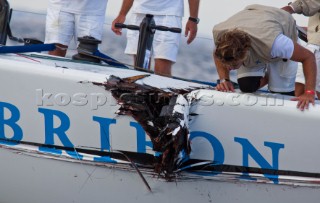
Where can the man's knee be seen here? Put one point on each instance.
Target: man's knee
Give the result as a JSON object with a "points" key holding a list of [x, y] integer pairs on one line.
{"points": [[249, 84]]}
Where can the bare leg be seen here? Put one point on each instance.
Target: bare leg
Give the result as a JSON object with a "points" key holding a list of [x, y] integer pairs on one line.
{"points": [[264, 81], [134, 59], [61, 50], [163, 67]]}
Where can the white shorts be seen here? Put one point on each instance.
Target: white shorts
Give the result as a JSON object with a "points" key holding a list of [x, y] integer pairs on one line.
{"points": [[165, 44], [61, 26], [300, 76], [281, 74]]}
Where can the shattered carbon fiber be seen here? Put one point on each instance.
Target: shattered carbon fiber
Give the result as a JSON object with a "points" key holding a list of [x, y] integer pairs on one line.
{"points": [[163, 115]]}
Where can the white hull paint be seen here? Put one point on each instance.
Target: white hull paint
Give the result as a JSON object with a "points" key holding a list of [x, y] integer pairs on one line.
{"points": [[29, 179], [260, 133]]}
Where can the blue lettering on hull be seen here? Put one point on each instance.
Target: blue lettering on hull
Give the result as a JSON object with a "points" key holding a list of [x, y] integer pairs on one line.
{"points": [[61, 132], [10, 122]]}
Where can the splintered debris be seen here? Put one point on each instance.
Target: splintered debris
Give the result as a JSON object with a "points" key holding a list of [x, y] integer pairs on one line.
{"points": [[163, 115]]}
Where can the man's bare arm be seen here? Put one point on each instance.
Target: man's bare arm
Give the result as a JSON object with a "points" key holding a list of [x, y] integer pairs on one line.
{"points": [[192, 27], [303, 55], [223, 73], [125, 8]]}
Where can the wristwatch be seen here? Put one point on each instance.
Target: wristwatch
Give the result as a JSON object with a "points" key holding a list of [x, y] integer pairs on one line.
{"points": [[195, 20]]}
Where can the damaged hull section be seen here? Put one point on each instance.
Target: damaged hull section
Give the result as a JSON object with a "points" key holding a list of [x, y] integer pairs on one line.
{"points": [[49, 180], [164, 115], [115, 135]]}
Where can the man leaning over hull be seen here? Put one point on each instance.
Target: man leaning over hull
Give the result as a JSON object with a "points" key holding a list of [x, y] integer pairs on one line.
{"points": [[166, 13], [261, 38], [308, 8]]}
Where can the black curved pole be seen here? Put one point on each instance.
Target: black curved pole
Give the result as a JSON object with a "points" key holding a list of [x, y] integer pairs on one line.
{"points": [[145, 42], [147, 29]]}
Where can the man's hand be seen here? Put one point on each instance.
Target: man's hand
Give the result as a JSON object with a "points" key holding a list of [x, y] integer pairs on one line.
{"points": [[119, 19], [288, 9], [225, 86], [304, 100], [191, 31]]}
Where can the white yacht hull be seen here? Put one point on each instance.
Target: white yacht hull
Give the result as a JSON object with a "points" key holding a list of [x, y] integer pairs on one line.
{"points": [[264, 149]]}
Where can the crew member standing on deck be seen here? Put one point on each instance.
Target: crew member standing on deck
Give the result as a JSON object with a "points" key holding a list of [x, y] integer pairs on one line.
{"points": [[308, 8], [258, 38], [67, 19], [166, 13]]}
